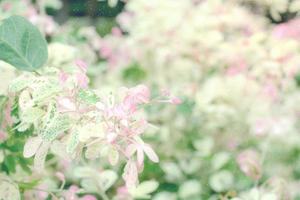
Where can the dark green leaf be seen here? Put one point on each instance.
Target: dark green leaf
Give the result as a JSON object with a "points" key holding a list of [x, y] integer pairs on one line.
{"points": [[21, 44]]}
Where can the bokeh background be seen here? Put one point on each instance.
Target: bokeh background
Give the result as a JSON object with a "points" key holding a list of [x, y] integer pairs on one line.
{"points": [[235, 64]]}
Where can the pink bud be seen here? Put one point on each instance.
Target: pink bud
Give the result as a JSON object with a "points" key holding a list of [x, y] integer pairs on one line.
{"points": [[60, 176], [175, 101], [81, 65], [63, 77], [248, 161], [116, 31], [3, 135]]}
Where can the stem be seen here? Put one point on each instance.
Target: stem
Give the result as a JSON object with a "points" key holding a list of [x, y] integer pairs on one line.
{"points": [[264, 155]]}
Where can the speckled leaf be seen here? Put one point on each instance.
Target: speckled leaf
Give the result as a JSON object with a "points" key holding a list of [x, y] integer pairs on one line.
{"points": [[72, 142], [19, 84], [57, 125], [40, 156], [44, 91], [22, 45]]}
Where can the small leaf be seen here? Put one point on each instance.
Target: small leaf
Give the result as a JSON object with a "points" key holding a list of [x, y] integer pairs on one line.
{"points": [[58, 125], [88, 96], [144, 189], [106, 179], [72, 142], [40, 156], [21, 44], [10, 163], [31, 146]]}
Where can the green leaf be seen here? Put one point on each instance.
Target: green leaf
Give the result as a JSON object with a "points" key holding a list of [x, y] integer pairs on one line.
{"points": [[88, 96], [134, 73], [10, 163], [22, 45]]}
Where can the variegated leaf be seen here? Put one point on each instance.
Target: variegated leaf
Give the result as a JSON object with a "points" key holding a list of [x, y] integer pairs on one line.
{"points": [[45, 91], [31, 146], [40, 156], [144, 189], [106, 179], [72, 142], [57, 125], [19, 84], [25, 100]]}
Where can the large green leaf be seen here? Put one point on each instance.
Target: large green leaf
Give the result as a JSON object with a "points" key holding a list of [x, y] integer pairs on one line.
{"points": [[22, 45]]}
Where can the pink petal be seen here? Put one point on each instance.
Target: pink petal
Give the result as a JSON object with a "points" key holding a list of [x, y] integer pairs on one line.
{"points": [[175, 101]]}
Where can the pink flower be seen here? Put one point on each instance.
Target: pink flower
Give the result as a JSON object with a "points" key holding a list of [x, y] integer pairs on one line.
{"points": [[175, 101], [137, 95], [290, 29], [81, 65], [270, 90], [116, 31], [3, 135], [105, 50], [82, 80], [6, 6], [71, 193], [140, 148], [63, 77], [249, 163], [60, 176], [237, 67]]}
